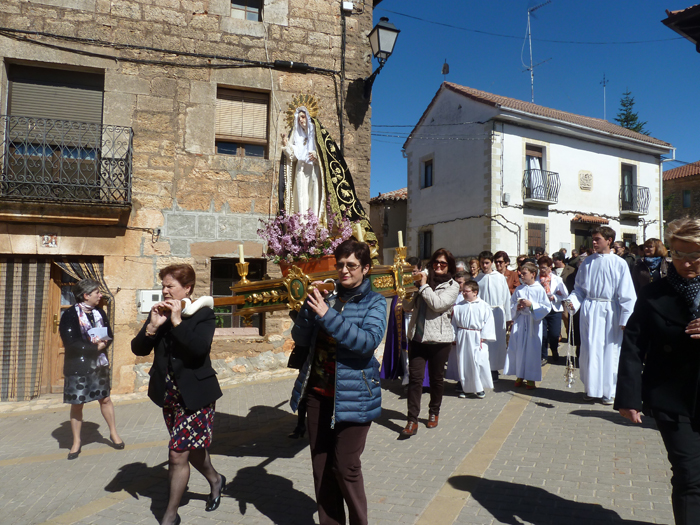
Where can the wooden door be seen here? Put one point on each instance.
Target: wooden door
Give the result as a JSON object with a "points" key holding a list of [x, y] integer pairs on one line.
{"points": [[60, 299]]}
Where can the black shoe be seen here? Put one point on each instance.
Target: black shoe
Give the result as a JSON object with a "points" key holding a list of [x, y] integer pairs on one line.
{"points": [[494, 376], [118, 446], [543, 362], [74, 455], [213, 502], [298, 432], [177, 520]]}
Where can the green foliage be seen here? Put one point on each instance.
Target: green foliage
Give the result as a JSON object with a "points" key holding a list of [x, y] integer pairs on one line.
{"points": [[626, 116]]}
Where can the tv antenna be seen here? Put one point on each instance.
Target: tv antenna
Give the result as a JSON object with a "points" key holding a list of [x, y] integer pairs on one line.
{"points": [[532, 67], [445, 70], [604, 82]]}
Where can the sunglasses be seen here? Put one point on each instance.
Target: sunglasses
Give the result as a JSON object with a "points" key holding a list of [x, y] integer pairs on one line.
{"points": [[439, 264], [689, 256], [351, 267]]}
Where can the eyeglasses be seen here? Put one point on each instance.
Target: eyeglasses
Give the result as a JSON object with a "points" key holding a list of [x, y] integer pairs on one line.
{"points": [[689, 256], [440, 264], [351, 267]]}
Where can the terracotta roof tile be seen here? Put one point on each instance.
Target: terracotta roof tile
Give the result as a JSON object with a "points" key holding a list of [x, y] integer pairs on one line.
{"points": [[589, 219], [683, 171], [499, 101], [396, 195]]}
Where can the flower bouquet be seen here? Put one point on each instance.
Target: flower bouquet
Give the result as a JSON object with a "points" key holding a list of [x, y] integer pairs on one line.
{"points": [[302, 237]]}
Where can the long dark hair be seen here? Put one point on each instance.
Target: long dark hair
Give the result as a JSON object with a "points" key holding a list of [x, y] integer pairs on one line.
{"points": [[433, 279]]}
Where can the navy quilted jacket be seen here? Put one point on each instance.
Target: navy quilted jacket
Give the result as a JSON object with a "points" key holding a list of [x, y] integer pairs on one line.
{"points": [[358, 329]]}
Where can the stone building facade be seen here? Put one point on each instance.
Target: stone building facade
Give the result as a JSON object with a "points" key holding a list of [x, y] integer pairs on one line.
{"points": [[682, 192], [387, 212], [189, 189]]}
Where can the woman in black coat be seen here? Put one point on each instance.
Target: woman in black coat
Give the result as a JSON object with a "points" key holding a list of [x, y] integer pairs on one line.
{"points": [[659, 371], [652, 267], [85, 365], [183, 383]]}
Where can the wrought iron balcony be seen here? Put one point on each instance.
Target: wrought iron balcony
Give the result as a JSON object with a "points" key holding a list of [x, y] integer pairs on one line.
{"points": [[634, 200], [540, 187], [61, 161]]}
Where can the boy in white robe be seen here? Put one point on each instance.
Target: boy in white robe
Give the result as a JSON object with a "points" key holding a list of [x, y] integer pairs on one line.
{"points": [[472, 321], [493, 289], [605, 294], [529, 305]]}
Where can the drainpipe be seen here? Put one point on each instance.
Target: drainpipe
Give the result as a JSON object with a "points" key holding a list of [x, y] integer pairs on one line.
{"points": [[661, 193]]}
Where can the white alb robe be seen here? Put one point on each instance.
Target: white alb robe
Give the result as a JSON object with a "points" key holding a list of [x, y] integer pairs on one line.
{"points": [[469, 358], [493, 289], [525, 346], [605, 294]]}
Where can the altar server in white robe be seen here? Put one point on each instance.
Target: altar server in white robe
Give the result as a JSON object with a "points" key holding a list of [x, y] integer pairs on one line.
{"points": [[493, 289], [472, 320], [605, 294], [529, 305]]}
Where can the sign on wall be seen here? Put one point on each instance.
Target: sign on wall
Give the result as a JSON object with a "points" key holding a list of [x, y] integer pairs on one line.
{"points": [[585, 180]]}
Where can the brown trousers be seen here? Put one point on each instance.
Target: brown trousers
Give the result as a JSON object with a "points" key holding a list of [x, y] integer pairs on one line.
{"points": [[335, 459], [436, 355]]}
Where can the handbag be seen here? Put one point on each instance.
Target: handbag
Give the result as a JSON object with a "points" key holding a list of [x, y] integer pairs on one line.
{"points": [[298, 357]]}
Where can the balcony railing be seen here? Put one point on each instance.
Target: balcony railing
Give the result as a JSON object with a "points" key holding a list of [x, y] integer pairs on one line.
{"points": [[64, 161], [540, 187], [634, 200]]}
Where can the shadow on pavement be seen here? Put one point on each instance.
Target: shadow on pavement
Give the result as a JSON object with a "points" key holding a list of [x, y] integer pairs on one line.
{"points": [[386, 418], [89, 433], [514, 503], [615, 417], [272, 495]]}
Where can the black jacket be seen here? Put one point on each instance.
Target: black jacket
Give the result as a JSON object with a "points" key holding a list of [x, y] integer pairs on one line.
{"points": [[187, 348], [659, 367], [81, 355], [641, 276]]}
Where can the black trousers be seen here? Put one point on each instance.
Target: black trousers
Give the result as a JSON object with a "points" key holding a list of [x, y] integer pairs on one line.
{"points": [[436, 355], [335, 460], [682, 440]]}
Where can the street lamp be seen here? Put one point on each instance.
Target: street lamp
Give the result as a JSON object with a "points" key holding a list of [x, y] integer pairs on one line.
{"points": [[382, 39]]}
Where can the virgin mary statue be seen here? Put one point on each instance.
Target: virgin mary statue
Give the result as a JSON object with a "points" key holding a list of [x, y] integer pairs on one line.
{"points": [[313, 172]]}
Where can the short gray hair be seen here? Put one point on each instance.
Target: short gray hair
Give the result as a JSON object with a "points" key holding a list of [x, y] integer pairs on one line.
{"points": [[86, 286], [685, 229]]}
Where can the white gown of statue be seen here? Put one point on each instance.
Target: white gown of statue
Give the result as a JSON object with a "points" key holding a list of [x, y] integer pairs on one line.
{"points": [[469, 358], [493, 289], [525, 345], [605, 294], [307, 188]]}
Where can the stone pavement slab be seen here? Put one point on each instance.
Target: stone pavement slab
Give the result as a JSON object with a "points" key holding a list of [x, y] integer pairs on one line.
{"points": [[561, 458]]}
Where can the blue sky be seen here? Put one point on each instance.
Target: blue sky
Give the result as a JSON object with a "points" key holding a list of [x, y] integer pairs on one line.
{"points": [[663, 76]]}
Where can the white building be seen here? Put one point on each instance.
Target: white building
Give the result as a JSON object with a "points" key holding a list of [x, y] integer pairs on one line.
{"points": [[487, 172]]}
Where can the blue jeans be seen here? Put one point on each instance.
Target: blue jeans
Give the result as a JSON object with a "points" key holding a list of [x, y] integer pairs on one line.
{"points": [[551, 330]]}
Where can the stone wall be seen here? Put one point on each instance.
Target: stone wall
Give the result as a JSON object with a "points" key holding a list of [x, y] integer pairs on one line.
{"points": [[190, 204], [673, 198]]}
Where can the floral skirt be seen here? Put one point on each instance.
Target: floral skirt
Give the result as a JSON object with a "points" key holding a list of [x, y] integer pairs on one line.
{"points": [[83, 388], [188, 429]]}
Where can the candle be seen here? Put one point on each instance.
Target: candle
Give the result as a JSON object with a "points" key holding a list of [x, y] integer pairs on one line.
{"points": [[240, 253], [359, 232], [400, 239]]}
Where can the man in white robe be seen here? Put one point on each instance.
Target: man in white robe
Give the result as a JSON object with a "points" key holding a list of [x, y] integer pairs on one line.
{"points": [[605, 294], [472, 320], [493, 289], [529, 305]]}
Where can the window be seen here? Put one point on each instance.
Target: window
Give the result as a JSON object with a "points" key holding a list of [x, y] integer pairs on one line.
{"points": [[427, 175], [224, 275], [247, 10], [426, 244], [241, 123], [535, 179], [535, 237], [629, 238], [686, 198]]}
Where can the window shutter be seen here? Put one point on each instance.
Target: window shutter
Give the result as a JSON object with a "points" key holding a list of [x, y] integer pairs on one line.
{"points": [[533, 151], [241, 115]]}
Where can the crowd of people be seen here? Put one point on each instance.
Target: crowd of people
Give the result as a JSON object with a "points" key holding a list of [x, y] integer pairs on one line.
{"points": [[465, 322]]}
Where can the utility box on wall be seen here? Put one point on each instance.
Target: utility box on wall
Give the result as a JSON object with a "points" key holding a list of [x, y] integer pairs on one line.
{"points": [[148, 298]]}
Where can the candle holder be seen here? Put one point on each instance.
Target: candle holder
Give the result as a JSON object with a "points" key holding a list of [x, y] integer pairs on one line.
{"points": [[243, 272], [401, 253]]}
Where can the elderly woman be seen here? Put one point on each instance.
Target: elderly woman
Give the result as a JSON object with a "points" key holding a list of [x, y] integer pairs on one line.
{"points": [[430, 335], [652, 267], [659, 369], [86, 367], [340, 381], [183, 383]]}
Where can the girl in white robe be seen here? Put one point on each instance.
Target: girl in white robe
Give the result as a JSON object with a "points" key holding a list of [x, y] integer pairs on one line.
{"points": [[474, 328], [529, 305]]}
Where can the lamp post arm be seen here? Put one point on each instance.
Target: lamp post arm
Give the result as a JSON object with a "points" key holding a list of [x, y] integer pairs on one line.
{"points": [[369, 81]]}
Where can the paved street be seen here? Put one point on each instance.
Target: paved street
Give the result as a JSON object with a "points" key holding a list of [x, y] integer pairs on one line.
{"points": [[542, 457]]}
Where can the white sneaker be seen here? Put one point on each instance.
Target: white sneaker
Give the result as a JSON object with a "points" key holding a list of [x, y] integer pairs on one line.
{"points": [[608, 400], [462, 395], [481, 395]]}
